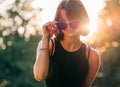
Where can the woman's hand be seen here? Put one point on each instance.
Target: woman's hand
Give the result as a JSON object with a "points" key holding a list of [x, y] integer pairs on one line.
{"points": [[48, 29]]}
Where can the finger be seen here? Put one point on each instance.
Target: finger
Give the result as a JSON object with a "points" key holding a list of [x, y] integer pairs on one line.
{"points": [[52, 26]]}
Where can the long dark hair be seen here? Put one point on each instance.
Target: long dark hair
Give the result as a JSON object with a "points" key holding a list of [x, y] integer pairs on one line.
{"points": [[73, 8]]}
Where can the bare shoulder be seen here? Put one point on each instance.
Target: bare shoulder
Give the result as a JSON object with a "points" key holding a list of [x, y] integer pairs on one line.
{"points": [[94, 57], [94, 65]]}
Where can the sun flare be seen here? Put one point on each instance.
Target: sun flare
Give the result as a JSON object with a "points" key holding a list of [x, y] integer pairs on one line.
{"points": [[92, 6]]}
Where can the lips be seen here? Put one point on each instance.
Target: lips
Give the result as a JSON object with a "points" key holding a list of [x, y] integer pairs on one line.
{"points": [[69, 30]]}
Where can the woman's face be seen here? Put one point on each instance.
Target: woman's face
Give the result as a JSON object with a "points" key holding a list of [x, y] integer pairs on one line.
{"points": [[72, 27]]}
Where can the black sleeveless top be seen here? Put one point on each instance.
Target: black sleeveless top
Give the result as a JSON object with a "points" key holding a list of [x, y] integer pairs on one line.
{"points": [[67, 69]]}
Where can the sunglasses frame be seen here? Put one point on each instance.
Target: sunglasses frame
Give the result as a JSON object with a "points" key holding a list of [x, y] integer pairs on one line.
{"points": [[63, 25]]}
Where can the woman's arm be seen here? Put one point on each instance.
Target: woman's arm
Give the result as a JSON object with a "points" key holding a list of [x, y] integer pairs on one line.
{"points": [[94, 65], [40, 68]]}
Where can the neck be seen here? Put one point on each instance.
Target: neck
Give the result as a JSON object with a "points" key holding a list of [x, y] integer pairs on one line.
{"points": [[71, 44]]}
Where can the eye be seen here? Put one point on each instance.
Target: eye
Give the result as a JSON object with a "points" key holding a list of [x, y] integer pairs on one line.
{"points": [[74, 24]]}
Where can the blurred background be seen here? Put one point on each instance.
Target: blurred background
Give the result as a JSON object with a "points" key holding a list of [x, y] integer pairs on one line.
{"points": [[20, 32]]}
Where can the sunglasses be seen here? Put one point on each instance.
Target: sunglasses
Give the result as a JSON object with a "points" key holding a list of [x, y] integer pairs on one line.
{"points": [[63, 25]]}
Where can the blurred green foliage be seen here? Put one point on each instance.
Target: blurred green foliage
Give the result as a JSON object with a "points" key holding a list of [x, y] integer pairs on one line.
{"points": [[16, 62], [110, 69], [17, 50]]}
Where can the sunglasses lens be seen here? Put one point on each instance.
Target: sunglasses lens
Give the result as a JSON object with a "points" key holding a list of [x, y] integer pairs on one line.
{"points": [[62, 25], [74, 25]]}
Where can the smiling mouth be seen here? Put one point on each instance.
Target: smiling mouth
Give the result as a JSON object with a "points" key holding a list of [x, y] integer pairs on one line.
{"points": [[69, 29]]}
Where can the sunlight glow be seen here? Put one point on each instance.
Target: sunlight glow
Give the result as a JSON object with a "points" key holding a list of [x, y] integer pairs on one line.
{"points": [[48, 9], [93, 7]]}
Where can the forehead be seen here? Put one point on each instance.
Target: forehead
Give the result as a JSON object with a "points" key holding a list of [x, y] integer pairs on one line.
{"points": [[66, 16]]}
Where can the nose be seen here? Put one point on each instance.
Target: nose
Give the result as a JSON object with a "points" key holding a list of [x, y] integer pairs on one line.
{"points": [[68, 26]]}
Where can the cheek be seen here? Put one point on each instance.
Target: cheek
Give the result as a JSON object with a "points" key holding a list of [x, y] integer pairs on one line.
{"points": [[78, 31]]}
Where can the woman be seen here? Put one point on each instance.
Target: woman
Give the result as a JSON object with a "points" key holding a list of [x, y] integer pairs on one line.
{"points": [[66, 61]]}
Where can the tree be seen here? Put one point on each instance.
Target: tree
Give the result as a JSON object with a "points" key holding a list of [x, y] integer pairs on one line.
{"points": [[19, 36]]}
